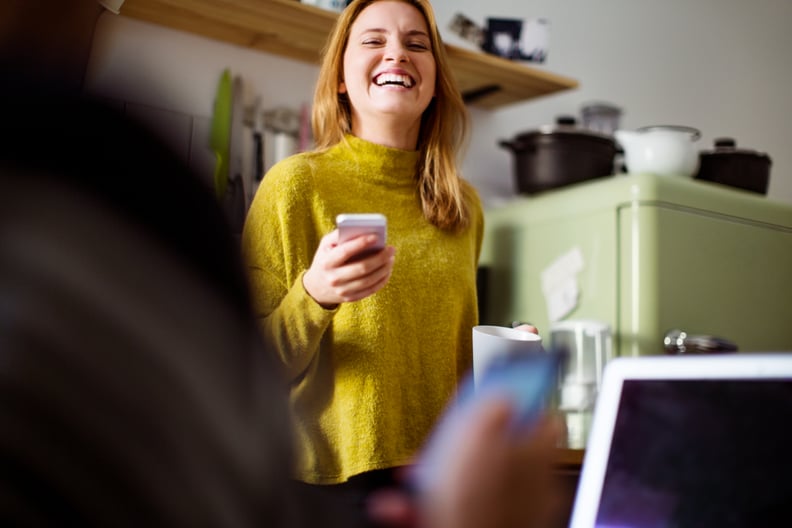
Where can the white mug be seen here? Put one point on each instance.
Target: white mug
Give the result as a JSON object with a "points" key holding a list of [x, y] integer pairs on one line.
{"points": [[493, 342]]}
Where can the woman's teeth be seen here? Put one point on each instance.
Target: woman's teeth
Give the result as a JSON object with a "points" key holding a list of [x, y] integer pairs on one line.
{"points": [[392, 78]]}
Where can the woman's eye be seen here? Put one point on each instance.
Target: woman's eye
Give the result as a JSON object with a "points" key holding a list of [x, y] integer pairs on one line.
{"points": [[372, 42], [418, 46]]}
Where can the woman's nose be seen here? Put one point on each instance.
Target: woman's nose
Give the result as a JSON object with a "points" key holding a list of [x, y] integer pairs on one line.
{"points": [[397, 53]]}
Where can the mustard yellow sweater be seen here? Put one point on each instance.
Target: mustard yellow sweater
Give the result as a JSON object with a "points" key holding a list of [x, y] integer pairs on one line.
{"points": [[370, 378]]}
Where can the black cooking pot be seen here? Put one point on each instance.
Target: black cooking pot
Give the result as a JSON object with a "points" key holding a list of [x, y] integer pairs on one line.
{"points": [[728, 165], [555, 156]]}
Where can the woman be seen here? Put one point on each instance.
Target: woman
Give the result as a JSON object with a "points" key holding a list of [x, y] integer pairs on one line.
{"points": [[374, 347], [114, 388]]}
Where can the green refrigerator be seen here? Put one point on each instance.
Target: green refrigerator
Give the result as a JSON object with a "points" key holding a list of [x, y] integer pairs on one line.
{"points": [[644, 254]]}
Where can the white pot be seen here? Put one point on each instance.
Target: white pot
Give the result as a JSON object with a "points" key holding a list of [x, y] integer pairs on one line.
{"points": [[664, 150]]}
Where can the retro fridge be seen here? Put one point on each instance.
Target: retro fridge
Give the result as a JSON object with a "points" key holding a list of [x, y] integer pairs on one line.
{"points": [[644, 254]]}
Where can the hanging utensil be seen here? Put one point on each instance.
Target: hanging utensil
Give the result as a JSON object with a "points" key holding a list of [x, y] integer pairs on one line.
{"points": [[220, 133]]}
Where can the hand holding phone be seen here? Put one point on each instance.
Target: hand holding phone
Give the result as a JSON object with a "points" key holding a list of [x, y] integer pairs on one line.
{"points": [[526, 380], [354, 225]]}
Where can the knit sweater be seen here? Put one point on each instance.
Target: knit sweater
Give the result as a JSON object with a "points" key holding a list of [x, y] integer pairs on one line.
{"points": [[368, 379]]}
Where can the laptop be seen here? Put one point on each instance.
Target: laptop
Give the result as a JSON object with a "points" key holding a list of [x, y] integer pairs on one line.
{"points": [[690, 441]]}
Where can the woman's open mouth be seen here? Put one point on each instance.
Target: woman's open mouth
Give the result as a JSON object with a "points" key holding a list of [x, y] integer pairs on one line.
{"points": [[385, 79]]}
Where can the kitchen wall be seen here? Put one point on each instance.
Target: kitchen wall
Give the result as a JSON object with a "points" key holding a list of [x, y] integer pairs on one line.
{"points": [[169, 79], [719, 65]]}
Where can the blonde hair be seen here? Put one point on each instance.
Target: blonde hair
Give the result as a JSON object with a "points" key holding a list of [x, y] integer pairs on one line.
{"points": [[444, 195]]}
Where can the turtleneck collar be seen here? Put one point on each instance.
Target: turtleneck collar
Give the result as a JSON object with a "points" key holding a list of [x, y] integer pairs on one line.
{"points": [[380, 159]]}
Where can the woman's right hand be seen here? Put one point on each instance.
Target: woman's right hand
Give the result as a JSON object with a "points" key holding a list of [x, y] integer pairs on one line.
{"points": [[333, 278]]}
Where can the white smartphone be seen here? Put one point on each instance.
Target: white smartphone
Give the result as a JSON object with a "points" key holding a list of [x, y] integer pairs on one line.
{"points": [[354, 225]]}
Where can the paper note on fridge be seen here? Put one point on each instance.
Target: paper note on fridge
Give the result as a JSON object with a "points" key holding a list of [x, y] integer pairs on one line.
{"points": [[560, 284]]}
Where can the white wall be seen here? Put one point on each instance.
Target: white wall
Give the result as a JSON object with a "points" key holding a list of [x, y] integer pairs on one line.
{"points": [[719, 65], [149, 64], [169, 79]]}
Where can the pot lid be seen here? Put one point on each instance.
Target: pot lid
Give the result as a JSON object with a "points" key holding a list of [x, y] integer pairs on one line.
{"points": [[726, 146], [694, 133], [566, 126]]}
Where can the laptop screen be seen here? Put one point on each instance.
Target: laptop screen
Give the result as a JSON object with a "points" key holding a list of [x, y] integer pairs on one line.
{"points": [[695, 453]]}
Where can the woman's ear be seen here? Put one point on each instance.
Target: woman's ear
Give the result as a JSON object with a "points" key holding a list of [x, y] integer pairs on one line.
{"points": [[342, 87]]}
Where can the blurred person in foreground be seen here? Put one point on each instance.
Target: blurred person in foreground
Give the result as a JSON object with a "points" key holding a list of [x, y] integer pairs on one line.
{"points": [[135, 389]]}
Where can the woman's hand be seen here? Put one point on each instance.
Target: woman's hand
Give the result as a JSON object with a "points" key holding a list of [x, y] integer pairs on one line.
{"points": [[333, 278], [525, 327]]}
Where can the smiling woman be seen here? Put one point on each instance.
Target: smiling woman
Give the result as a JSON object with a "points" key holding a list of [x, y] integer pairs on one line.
{"points": [[375, 348], [389, 72]]}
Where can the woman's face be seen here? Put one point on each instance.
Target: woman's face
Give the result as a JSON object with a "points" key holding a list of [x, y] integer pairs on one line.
{"points": [[389, 67]]}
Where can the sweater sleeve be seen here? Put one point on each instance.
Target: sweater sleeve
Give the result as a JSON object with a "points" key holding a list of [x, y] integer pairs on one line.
{"points": [[279, 240]]}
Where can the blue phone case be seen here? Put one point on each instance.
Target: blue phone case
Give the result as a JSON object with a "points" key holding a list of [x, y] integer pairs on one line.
{"points": [[528, 380]]}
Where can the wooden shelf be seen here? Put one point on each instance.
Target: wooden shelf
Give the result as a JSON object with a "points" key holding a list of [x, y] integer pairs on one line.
{"points": [[298, 31]]}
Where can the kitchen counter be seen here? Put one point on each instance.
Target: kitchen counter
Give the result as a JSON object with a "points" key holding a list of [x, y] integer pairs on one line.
{"points": [[571, 459], [569, 464]]}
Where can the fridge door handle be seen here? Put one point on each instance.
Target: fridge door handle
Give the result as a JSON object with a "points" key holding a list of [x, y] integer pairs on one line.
{"points": [[680, 342]]}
